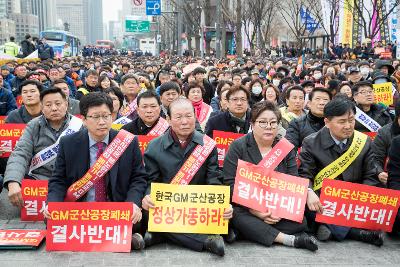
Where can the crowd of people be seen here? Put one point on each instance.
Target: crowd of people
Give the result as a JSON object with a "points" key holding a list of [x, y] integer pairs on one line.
{"points": [[312, 104]]}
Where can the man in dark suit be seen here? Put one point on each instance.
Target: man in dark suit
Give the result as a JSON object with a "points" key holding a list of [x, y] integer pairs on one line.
{"points": [[237, 118], [126, 180]]}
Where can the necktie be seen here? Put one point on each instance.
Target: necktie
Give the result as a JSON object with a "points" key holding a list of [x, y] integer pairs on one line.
{"points": [[341, 145], [100, 185]]}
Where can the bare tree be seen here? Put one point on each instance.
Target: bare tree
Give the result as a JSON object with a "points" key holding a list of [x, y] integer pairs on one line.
{"points": [[238, 26]]}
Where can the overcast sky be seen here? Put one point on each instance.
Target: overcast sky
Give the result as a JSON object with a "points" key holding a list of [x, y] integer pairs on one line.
{"points": [[110, 10]]}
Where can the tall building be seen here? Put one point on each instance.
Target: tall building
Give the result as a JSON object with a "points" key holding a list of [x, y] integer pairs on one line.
{"points": [[45, 10], [75, 13], [115, 31], [95, 25], [7, 29], [24, 24]]}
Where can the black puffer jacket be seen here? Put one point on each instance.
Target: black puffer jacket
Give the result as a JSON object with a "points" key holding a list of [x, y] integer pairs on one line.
{"points": [[378, 113]]}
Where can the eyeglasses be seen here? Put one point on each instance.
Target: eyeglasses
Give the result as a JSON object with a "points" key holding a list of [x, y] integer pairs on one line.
{"points": [[265, 124], [98, 117], [369, 92], [236, 100]]}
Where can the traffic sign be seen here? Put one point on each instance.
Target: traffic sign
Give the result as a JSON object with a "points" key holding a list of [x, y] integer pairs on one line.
{"points": [[138, 7], [153, 7], [158, 38], [137, 25]]}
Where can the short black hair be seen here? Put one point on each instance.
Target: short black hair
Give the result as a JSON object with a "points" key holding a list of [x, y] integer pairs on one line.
{"points": [[52, 90], [33, 82], [169, 86], [129, 76], [339, 106], [95, 99], [319, 89], [294, 88], [199, 70], [148, 94], [357, 86], [117, 92], [58, 81]]}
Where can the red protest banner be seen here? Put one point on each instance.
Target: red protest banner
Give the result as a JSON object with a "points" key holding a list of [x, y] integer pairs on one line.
{"points": [[144, 140], [357, 205], [90, 226], [3, 119], [23, 238], [34, 194], [19, 101], [266, 190], [9, 136], [224, 140]]}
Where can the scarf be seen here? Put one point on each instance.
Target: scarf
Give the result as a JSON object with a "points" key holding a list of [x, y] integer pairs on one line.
{"points": [[197, 107]]}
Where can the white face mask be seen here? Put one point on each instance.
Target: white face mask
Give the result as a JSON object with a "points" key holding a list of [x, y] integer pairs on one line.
{"points": [[317, 76], [364, 71], [276, 82], [151, 76], [211, 79], [256, 90]]}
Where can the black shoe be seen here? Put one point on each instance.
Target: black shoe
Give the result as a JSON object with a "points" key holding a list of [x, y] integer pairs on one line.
{"points": [[306, 241], [151, 239], [323, 233], [137, 242], [372, 237], [215, 244], [231, 236]]}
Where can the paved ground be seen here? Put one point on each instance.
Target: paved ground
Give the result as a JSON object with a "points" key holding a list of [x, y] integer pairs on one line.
{"points": [[348, 253]]}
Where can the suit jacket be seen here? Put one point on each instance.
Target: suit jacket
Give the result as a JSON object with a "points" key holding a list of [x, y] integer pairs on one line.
{"points": [[319, 150], [223, 122], [246, 148], [393, 166], [126, 181], [163, 158]]}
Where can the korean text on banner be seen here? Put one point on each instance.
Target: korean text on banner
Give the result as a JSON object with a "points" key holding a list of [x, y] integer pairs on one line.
{"points": [[34, 195], [144, 141], [224, 140], [89, 226], [9, 136], [357, 205], [266, 190], [26, 237], [383, 93], [189, 209]]}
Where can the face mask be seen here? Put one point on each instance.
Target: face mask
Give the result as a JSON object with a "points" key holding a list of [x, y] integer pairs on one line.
{"points": [[317, 76], [364, 71], [380, 80], [256, 90], [283, 73], [211, 79], [344, 70], [151, 76], [276, 82]]}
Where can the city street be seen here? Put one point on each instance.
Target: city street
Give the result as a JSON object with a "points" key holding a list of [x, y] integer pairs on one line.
{"points": [[348, 253]]}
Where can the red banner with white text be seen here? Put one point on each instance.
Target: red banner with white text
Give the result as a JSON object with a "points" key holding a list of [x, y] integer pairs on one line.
{"points": [[34, 195]]}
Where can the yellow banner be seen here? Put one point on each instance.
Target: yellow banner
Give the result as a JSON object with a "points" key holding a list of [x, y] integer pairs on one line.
{"points": [[347, 23], [383, 93], [337, 167], [189, 208], [117, 126]]}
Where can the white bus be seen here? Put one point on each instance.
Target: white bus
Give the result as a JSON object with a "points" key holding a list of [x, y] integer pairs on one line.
{"points": [[148, 45]]}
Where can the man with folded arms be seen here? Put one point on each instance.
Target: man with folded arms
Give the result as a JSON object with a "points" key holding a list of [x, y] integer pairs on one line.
{"points": [[163, 159], [124, 181]]}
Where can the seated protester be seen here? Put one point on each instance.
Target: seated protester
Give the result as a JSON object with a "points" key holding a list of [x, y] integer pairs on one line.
{"points": [[256, 89], [40, 133], [73, 104], [253, 225], [195, 92], [148, 115], [322, 148], [130, 88], [31, 108], [345, 88], [393, 180], [382, 143], [313, 121], [169, 91], [118, 100], [20, 72], [215, 100], [354, 75], [163, 158], [125, 181], [7, 100], [272, 94], [91, 79], [237, 117], [363, 94], [222, 102], [295, 103]]}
